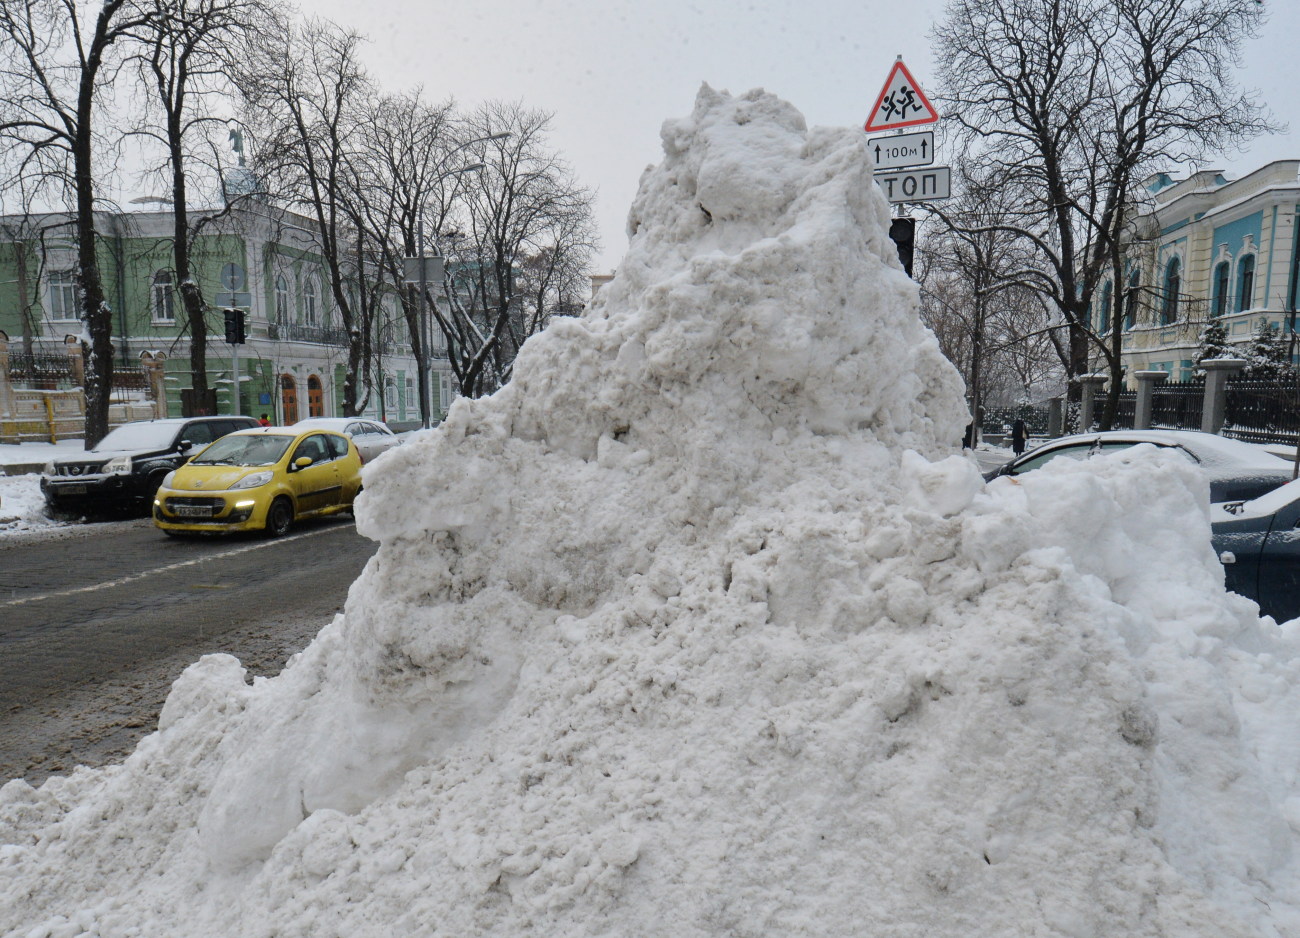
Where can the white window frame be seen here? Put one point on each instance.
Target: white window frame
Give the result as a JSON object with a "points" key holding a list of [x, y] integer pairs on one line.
{"points": [[163, 307], [283, 300], [310, 307], [62, 284]]}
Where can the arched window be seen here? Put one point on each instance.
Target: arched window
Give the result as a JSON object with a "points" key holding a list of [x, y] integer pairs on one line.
{"points": [[1173, 282], [1104, 313], [1221, 289], [1131, 300], [1246, 283], [164, 309], [310, 298], [281, 299]]}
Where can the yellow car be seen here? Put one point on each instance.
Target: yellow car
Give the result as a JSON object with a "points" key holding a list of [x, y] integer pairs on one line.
{"points": [[260, 480]]}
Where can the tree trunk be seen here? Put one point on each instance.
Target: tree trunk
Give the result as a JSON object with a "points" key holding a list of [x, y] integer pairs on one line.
{"points": [[25, 301], [96, 315], [191, 296]]}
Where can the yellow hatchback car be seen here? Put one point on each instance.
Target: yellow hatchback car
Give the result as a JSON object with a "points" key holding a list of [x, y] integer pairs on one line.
{"points": [[260, 480]]}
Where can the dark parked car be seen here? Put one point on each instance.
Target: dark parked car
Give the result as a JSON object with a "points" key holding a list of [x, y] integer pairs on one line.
{"points": [[122, 473], [1258, 543], [1236, 471]]}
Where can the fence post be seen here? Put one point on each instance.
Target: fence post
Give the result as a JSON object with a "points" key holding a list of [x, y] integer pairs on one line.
{"points": [[1215, 406], [1090, 384], [72, 346], [1147, 381], [153, 362], [1055, 417]]}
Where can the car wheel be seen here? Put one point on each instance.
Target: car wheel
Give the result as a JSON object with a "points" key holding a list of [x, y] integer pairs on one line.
{"points": [[279, 519]]}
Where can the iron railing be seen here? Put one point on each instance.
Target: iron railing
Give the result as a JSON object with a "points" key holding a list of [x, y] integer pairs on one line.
{"points": [[1263, 410], [1178, 405]]}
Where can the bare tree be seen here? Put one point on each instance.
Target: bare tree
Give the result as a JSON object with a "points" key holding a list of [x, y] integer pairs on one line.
{"points": [[1071, 103], [523, 203], [54, 67], [407, 175], [183, 62], [306, 96], [971, 296]]}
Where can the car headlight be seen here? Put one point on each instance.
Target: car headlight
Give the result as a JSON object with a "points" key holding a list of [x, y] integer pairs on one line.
{"points": [[49, 469], [167, 479], [253, 480], [118, 465]]}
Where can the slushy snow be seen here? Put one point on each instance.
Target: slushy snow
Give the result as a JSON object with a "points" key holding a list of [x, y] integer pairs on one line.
{"points": [[696, 629]]}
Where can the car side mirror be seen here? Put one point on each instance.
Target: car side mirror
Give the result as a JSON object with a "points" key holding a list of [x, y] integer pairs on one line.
{"points": [[302, 462], [184, 446]]}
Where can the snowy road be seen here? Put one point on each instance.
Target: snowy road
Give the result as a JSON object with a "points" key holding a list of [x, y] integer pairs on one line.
{"points": [[96, 621]]}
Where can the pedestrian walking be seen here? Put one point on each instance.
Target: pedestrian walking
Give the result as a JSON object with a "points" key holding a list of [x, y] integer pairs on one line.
{"points": [[1019, 436], [264, 420]]}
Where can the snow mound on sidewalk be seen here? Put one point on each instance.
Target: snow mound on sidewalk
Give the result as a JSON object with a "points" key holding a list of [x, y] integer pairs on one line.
{"points": [[692, 630]]}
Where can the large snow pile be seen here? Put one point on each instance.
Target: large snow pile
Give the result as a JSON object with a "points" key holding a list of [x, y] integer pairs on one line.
{"points": [[691, 630]]}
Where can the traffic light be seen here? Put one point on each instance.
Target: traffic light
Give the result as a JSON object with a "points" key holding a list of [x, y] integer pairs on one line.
{"points": [[902, 231], [235, 326]]}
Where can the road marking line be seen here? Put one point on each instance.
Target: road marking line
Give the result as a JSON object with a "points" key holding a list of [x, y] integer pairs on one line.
{"points": [[169, 567]]}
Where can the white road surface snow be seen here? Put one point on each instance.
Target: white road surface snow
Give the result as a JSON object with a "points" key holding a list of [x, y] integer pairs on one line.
{"points": [[684, 634]]}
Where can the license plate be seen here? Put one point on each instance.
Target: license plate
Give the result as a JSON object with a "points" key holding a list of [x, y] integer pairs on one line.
{"points": [[72, 489], [191, 511]]}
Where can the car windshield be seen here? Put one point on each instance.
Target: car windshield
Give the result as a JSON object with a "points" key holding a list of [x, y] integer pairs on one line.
{"points": [[260, 450], [138, 436]]}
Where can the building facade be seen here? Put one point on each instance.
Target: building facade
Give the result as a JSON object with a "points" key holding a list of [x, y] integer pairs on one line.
{"points": [[294, 359], [1207, 249]]}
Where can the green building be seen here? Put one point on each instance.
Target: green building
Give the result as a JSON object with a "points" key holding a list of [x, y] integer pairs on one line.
{"points": [[265, 262]]}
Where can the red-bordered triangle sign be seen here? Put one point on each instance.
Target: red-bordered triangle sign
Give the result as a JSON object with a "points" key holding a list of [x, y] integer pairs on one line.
{"points": [[902, 103]]}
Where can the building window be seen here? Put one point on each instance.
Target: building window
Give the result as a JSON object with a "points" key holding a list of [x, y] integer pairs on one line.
{"points": [[412, 399], [63, 295], [1131, 301], [390, 396], [1246, 283], [1104, 311], [164, 309], [1173, 282], [281, 300], [310, 298], [1221, 289]]}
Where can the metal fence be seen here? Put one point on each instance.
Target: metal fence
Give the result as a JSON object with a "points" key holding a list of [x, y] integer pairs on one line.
{"points": [[1125, 410], [1263, 410], [40, 370], [1000, 419], [1178, 406]]}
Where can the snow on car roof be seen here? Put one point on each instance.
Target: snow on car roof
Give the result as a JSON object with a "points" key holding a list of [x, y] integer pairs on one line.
{"points": [[1211, 449]]}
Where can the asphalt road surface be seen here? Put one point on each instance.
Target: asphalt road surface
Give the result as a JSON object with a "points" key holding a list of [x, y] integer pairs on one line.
{"points": [[96, 621]]}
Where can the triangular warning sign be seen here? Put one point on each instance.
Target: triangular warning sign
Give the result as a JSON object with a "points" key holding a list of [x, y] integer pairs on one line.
{"points": [[902, 103]]}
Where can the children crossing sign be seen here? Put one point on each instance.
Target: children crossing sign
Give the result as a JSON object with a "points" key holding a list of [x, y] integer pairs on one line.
{"points": [[902, 103]]}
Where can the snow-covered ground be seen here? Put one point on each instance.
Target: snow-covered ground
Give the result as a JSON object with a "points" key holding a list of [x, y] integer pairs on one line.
{"points": [[697, 628], [22, 509]]}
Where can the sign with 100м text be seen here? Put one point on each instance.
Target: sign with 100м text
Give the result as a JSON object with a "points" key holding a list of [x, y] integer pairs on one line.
{"points": [[902, 150]]}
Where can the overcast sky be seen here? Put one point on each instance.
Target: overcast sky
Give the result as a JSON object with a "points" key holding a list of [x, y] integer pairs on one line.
{"points": [[611, 71]]}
